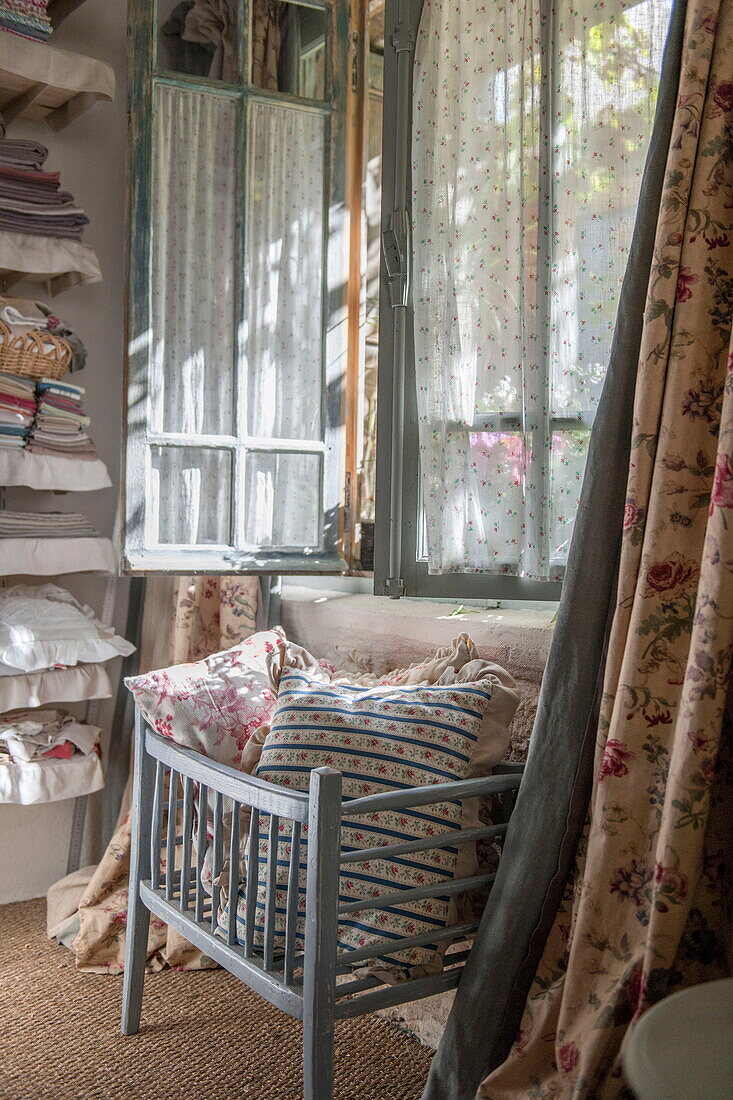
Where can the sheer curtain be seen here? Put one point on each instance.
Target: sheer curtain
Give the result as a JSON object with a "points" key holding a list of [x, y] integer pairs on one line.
{"points": [[259, 382], [193, 309], [530, 130], [282, 338]]}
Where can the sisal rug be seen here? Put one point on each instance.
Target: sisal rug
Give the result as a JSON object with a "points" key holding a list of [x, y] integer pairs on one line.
{"points": [[203, 1036]]}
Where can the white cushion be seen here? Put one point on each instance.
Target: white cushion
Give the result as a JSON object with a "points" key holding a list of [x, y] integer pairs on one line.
{"points": [[42, 626]]}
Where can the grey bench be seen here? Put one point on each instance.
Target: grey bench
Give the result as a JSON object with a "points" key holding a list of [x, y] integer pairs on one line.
{"points": [[304, 983]]}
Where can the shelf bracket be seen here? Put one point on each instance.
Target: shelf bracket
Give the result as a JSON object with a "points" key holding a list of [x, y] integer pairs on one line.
{"points": [[16, 106], [61, 116]]}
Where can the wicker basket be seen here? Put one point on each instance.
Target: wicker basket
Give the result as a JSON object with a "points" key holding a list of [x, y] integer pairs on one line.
{"points": [[35, 354]]}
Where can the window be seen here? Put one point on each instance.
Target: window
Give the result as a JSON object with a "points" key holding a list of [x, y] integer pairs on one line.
{"points": [[238, 267], [506, 224], [447, 189]]}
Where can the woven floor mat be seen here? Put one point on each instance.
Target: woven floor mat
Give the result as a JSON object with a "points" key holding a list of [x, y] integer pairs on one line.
{"points": [[204, 1036]]}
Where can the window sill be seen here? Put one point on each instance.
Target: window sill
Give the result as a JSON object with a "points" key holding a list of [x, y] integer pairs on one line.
{"points": [[357, 631]]}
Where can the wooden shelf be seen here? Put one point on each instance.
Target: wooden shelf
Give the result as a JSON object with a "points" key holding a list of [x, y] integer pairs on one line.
{"points": [[54, 685], [51, 473], [50, 557], [38, 781], [53, 262], [41, 83]]}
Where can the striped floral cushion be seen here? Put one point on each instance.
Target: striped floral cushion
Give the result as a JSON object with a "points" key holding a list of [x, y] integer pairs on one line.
{"points": [[381, 739]]}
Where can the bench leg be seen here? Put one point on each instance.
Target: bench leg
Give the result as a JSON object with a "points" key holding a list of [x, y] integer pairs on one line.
{"points": [[317, 1060], [138, 915], [321, 937]]}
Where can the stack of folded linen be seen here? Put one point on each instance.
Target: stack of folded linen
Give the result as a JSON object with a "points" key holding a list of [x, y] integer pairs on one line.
{"points": [[28, 18], [59, 427], [22, 153], [46, 525], [17, 409], [30, 199], [27, 735]]}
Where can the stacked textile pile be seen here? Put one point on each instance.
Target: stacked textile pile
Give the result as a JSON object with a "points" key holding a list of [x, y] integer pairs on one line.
{"points": [[27, 735], [28, 18], [31, 200], [46, 525], [47, 756], [59, 427], [17, 409]]}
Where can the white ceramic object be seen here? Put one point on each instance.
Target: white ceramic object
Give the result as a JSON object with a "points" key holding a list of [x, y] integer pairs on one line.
{"points": [[682, 1048]]}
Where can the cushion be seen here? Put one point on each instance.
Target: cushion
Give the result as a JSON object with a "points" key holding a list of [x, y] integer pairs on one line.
{"points": [[212, 706], [458, 663], [381, 738], [42, 626]]}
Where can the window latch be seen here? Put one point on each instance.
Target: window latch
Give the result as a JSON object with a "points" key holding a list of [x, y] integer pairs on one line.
{"points": [[395, 247]]}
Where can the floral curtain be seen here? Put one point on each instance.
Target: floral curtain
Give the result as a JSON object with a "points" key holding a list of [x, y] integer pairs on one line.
{"points": [[211, 613], [266, 41], [648, 908], [203, 615], [531, 122]]}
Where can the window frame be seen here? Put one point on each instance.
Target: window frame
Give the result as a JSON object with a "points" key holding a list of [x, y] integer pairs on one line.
{"points": [[398, 571], [146, 74]]}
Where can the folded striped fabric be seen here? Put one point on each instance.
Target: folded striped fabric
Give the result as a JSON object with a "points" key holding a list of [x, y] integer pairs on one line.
{"points": [[45, 525], [17, 409], [31, 200], [21, 153], [27, 18]]}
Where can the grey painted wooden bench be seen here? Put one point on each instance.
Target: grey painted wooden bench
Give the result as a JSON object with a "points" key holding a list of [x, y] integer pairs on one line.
{"points": [[302, 983]]}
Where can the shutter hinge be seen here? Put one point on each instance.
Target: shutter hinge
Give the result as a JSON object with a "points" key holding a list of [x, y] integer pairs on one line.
{"points": [[403, 37], [348, 518], [395, 246], [394, 587], [355, 60]]}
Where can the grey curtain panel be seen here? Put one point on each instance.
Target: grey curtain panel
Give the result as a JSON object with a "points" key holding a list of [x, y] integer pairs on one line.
{"points": [[548, 820]]}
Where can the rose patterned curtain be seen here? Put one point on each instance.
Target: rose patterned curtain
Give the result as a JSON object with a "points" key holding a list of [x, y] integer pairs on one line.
{"points": [[211, 613], [647, 909], [185, 619]]}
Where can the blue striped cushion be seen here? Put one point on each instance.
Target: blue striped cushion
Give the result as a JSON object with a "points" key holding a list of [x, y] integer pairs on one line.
{"points": [[381, 739]]}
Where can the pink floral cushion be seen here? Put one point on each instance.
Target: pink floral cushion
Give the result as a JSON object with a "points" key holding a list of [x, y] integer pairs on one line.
{"points": [[215, 705]]}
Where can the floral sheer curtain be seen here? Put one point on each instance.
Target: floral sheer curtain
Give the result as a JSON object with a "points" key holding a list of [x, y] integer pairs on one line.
{"points": [[283, 334], [197, 350], [193, 303], [530, 130]]}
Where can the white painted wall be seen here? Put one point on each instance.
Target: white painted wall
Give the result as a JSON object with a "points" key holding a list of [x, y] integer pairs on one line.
{"points": [[92, 156]]}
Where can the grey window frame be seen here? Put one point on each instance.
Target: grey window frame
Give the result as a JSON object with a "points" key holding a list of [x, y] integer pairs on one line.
{"points": [[398, 571], [145, 76]]}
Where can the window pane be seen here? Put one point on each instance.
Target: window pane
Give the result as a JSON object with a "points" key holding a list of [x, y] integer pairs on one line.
{"points": [[284, 306], [190, 496], [517, 269], [199, 39], [289, 48], [483, 526], [282, 500], [567, 463], [605, 92], [193, 263]]}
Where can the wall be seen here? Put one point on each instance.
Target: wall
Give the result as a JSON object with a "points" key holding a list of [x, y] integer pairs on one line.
{"points": [[91, 154], [364, 633]]}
